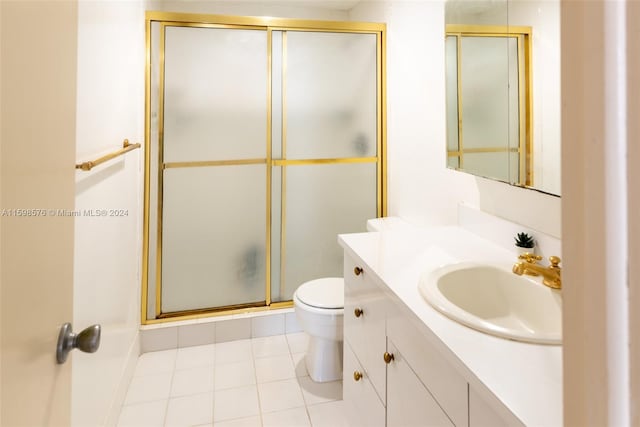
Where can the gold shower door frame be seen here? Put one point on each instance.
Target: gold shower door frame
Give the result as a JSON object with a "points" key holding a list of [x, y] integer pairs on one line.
{"points": [[268, 24], [525, 94]]}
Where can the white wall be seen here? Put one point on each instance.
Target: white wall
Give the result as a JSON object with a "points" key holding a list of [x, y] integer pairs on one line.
{"points": [[301, 9], [421, 189], [110, 108]]}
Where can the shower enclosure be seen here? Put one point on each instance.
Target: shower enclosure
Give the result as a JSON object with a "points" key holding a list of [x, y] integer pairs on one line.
{"points": [[264, 140]]}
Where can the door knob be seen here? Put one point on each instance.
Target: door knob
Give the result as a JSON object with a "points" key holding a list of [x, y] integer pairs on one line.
{"points": [[388, 357], [358, 312], [357, 271], [88, 341]]}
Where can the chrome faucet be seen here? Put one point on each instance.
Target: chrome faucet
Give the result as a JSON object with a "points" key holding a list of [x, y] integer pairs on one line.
{"points": [[551, 276]]}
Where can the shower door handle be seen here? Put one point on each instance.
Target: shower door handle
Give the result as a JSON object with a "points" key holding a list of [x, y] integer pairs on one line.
{"points": [[88, 341]]}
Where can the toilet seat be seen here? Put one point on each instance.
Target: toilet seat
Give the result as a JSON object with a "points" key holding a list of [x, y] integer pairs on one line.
{"points": [[326, 293]]}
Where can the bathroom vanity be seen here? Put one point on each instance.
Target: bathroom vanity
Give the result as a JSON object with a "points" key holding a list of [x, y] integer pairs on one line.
{"points": [[406, 364]]}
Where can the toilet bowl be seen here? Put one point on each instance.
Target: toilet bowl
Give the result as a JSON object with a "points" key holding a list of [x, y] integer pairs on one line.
{"points": [[319, 307]]}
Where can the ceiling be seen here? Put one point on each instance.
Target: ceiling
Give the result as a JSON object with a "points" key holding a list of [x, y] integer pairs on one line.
{"points": [[321, 4]]}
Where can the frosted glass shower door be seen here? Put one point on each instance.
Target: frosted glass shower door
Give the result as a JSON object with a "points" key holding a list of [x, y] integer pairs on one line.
{"points": [[213, 156], [327, 174]]}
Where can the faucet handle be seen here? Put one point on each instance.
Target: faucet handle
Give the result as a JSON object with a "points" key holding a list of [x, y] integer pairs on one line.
{"points": [[554, 260], [530, 258]]}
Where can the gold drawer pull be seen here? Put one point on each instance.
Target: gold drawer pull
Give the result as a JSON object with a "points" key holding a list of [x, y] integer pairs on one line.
{"points": [[358, 312], [388, 357], [357, 375], [357, 271]]}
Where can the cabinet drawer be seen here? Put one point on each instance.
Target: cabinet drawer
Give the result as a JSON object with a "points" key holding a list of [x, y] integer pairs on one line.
{"points": [[362, 405], [409, 403], [447, 386], [365, 323]]}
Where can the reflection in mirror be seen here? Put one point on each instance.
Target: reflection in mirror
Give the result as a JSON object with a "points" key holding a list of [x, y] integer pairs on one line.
{"points": [[503, 90], [488, 94]]}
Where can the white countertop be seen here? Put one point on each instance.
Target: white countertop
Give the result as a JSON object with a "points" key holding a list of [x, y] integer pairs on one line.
{"points": [[526, 378]]}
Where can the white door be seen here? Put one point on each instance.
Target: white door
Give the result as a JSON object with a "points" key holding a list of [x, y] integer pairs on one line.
{"points": [[38, 96]]}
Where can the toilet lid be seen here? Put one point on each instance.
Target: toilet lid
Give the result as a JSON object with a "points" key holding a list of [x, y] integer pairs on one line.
{"points": [[322, 293]]}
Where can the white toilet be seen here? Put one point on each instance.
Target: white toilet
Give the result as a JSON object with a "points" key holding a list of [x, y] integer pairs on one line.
{"points": [[319, 306]]}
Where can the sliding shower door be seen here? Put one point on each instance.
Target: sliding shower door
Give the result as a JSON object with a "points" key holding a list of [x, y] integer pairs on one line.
{"points": [[325, 159], [264, 143], [214, 168]]}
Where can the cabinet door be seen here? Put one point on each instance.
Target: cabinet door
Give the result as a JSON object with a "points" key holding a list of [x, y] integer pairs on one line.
{"points": [[365, 322], [409, 403], [362, 405], [485, 414], [445, 383]]}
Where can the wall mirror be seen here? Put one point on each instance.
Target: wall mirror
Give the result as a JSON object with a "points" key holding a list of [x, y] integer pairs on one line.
{"points": [[503, 90]]}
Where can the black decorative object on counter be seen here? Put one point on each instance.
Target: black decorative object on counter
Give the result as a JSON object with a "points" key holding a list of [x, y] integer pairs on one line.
{"points": [[524, 240]]}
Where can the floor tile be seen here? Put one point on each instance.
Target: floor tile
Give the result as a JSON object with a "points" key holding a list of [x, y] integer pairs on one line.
{"points": [[233, 351], [234, 403], [244, 383], [148, 388], [192, 381], [280, 395], [296, 417], [327, 414], [298, 342], [299, 364], [274, 368], [148, 414], [270, 346], [155, 362], [240, 422], [315, 393], [191, 410], [233, 375], [193, 357]]}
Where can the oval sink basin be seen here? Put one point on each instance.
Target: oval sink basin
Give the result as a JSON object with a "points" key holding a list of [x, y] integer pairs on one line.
{"points": [[492, 299]]}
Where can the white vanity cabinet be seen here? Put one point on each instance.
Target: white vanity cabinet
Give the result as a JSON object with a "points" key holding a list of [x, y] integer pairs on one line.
{"points": [[365, 340], [391, 375], [441, 373]]}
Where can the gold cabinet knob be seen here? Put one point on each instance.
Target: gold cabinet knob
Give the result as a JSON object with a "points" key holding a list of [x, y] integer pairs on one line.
{"points": [[358, 312], [357, 271], [357, 375], [388, 357]]}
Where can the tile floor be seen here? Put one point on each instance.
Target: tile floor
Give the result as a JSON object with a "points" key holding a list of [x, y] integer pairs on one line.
{"points": [[252, 382]]}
